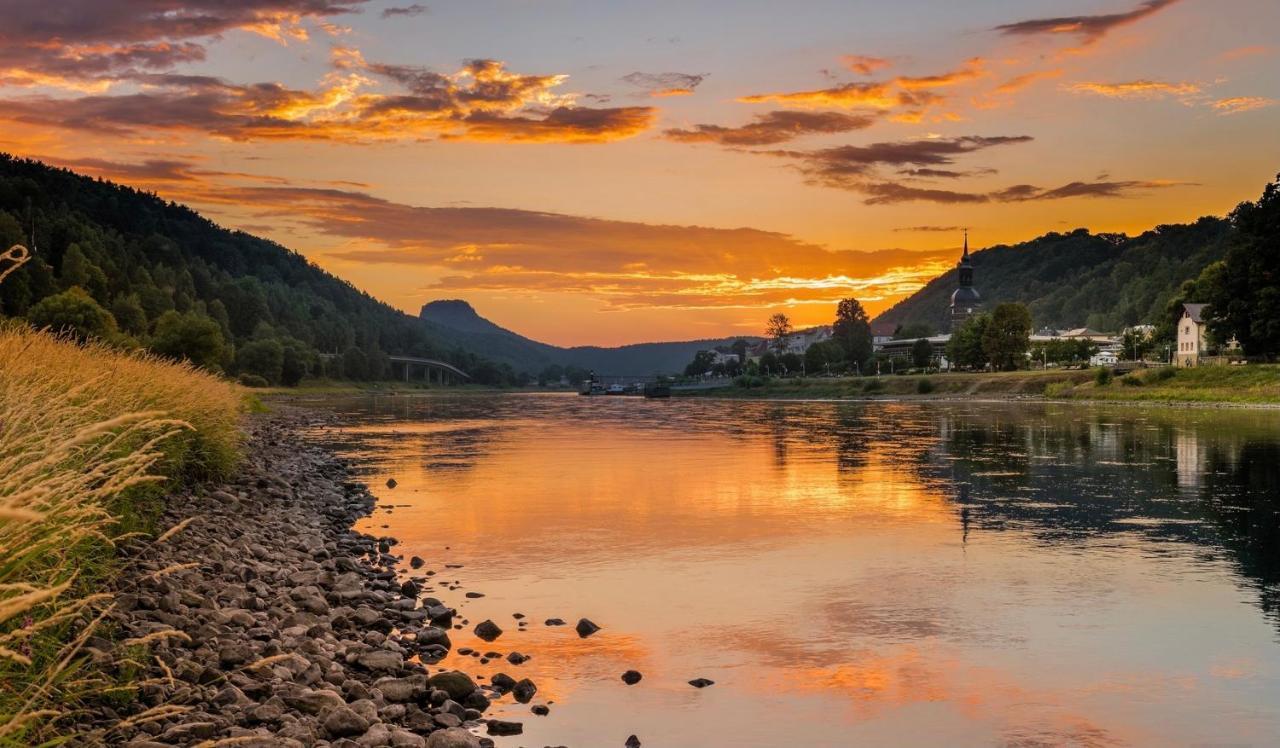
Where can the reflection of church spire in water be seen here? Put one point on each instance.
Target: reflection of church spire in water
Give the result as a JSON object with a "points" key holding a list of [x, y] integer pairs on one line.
{"points": [[963, 499]]}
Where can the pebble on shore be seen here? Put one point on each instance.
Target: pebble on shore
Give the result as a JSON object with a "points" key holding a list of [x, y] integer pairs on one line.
{"points": [[274, 623]]}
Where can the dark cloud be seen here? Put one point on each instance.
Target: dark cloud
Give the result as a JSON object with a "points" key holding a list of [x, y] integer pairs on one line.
{"points": [[843, 162], [927, 173], [564, 124], [665, 84], [1127, 188], [119, 21], [773, 128], [930, 229], [862, 169], [406, 11], [1089, 28], [75, 43]]}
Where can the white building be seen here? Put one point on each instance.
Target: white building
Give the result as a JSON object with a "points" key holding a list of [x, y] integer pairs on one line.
{"points": [[1193, 338], [1104, 358]]}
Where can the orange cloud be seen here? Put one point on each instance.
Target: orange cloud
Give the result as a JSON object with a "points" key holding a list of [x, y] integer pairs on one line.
{"points": [[481, 101], [971, 70], [1020, 82], [623, 265], [1139, 89], [1256, 50], [911, 96], [864, 64], [1238, 104]]}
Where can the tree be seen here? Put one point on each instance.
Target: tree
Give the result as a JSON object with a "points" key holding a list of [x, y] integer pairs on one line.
{"points": [[1136, 343], [791, 363], [1244, 298], [739, 349], [190, 336], [355, 365], [921, 353], [264, 358], [78, 271], [73, 311], [852, 329], [1007, 336], [823, 356], [778, 328], [129, 314], [297, 362], [701, 364], [913, 330], [965, 347]]}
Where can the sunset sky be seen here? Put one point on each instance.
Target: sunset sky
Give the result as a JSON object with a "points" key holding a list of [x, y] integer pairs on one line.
{"points": [[607, 172]]}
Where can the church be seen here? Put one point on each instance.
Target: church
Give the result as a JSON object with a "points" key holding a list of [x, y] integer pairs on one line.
{"points": [[966, 302]]}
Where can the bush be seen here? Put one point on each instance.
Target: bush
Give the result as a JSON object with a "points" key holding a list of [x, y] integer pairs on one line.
{"points": [[1163, 374], [873, 385], [253, 380], [924, 386], [262, 357], [1057, 389], [1102, 377], [75, 312], [189, 336], [749, 381], [1131, 380]]}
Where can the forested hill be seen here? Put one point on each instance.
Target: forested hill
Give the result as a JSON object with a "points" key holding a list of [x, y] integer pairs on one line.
{"points": [[1079, 279], [458, 320], [120, 264]]}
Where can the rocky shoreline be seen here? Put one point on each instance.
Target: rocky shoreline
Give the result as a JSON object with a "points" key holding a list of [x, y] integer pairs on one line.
{"points": [[261, 618]]}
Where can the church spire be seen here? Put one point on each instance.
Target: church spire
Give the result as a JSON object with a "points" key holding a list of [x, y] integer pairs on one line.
{"points": [[966, 244]]}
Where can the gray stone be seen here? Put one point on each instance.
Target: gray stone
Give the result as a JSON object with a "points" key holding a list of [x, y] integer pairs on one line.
{"points": [[343, 722], [457, 685], [453, 737]]}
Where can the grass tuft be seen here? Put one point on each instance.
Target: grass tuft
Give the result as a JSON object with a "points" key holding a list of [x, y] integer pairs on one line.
{"points": [[90, 437]]}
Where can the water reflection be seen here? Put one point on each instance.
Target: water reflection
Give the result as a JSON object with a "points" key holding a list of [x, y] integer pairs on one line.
{"points": [[891, 573]]}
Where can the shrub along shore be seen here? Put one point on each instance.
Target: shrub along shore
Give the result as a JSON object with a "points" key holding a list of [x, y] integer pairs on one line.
{"points": [[1256, 384]]}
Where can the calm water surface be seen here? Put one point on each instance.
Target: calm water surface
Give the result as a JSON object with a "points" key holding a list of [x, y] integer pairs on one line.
{"points": [[918, 574]]}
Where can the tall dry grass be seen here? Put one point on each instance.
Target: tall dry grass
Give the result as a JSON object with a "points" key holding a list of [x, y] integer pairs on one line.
{"points": [[88, 435]]}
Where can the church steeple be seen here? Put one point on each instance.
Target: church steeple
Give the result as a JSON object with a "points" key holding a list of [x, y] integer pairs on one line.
{"points": [[965, 301], [965, 267]]}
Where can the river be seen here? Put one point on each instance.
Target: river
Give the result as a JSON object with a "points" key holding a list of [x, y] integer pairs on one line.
{"points": [[887, 573]]}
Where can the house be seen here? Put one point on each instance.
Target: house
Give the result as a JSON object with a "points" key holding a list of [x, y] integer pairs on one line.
{"points": [[1104, 358], [797, 342], [1193, 338]]}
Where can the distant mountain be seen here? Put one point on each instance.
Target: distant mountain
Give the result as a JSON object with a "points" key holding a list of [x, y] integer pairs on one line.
{"points": [[458, 320], [1079, 279]]}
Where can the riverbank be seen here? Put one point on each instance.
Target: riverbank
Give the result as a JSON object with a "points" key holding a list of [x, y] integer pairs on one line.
{"points": [[1243, 385], [260, 618]]}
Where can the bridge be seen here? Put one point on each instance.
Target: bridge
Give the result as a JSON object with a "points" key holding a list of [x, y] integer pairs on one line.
{"points": [[445, 373]]}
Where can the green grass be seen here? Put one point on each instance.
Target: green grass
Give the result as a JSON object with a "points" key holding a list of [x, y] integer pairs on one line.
{"points": [[1253, 384]]}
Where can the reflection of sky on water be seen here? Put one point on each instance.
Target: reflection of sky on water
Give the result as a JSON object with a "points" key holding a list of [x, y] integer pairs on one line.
{"points": [[894, 573]]}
